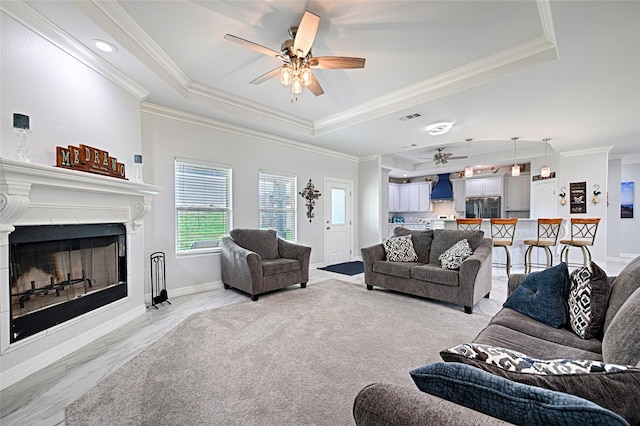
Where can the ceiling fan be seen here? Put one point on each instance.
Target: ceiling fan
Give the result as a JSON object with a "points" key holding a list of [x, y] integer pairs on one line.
{"points": [[295, 52], [441, 157]]}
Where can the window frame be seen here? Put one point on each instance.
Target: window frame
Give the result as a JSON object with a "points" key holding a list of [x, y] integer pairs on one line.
{"points": [[228, 193], [292, 211]]}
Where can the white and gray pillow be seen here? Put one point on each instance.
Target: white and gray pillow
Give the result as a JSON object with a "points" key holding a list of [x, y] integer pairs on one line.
{"points": [[453, 257], [400, 249], [588, 300]]}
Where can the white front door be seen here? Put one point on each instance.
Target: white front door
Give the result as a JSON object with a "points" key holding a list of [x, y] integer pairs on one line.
{"points": [[338, 228]]}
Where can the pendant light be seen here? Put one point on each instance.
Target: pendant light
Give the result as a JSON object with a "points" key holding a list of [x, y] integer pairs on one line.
{"points": [[515, 170], [468, 171], [545, 171]]}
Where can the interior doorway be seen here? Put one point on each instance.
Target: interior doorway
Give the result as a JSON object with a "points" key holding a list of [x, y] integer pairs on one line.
{"points": [[338, 232]]}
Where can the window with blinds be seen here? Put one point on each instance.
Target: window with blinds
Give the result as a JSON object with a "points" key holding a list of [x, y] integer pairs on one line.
{"points": [[203, 204], [277, 193]]}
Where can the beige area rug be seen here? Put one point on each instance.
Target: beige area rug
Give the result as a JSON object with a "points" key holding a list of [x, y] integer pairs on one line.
{"points": [[294, 357]]}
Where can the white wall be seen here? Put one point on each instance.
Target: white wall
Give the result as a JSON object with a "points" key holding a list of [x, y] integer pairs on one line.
{"points": [[590, 167], [167, 134], [630, 228], [373, 195], [68, 103], [613, 209]]}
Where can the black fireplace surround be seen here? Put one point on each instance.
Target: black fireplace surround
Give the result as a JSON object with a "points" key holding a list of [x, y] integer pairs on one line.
{"points": [[59, 272]]}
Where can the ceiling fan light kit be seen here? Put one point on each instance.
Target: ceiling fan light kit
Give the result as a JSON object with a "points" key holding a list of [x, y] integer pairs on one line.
{"points": [[298, 59]]}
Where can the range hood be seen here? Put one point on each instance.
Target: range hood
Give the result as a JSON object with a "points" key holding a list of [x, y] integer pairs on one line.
{"points": [[442, 191]]}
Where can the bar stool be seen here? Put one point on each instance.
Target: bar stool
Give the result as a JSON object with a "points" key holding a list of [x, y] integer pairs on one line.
{"points": [[548, 230], [583, 234], [469, 224], [502, 233]]}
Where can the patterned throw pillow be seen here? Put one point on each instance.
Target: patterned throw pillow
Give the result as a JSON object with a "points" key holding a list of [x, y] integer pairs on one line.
{"points": [[517, 362], [614, 387], [400, 249], [455, 255], [588, 300]]}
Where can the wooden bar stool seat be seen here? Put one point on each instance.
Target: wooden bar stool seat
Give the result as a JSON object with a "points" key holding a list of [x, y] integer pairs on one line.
{"points": [[502, 233], [548, 230], [469, 224], [583, 234]]}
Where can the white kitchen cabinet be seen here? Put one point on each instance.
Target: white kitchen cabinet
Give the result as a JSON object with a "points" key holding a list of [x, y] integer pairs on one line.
{"points": [[518, 193], [410, 197], [459, 193], [404, 198], [479, 187], [425, 197], [394, 197]]}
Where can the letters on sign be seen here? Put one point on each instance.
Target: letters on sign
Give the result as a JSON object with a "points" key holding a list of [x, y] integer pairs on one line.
{"points": [[89, 159]]}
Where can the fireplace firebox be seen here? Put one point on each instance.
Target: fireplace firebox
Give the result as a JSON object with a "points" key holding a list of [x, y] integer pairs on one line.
{"points": [[59, 272]]}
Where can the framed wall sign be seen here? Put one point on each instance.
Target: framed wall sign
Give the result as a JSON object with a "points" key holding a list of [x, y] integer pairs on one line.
{"points": [[578, 197], [626, 200]]}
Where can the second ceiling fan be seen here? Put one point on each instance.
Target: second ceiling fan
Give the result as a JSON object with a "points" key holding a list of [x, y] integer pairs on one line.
{"points": [[298, 60]]}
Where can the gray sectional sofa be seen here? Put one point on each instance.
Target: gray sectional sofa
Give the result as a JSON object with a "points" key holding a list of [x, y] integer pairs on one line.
{"points": [[617, 393], [425, 277]]}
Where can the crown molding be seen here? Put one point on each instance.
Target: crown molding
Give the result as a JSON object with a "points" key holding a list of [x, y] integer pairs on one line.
{"points": [[534, 52], [30, 18], [236, 104], [186, 117], [587, 151], [130, 27]]}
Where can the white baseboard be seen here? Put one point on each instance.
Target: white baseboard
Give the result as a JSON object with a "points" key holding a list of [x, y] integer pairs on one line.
{"points": [[628, 256], [21, 371], [183, 291], [199, 288]]}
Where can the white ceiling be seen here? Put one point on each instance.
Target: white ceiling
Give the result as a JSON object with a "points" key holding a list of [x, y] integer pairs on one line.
{"points": [[567, 70]]}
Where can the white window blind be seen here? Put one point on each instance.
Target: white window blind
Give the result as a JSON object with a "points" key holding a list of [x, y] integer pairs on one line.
{"points": [[203, 204], [277, 193]]}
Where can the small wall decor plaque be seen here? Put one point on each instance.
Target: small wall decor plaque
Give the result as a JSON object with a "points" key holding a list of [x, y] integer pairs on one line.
{"points": [[89, 159], [578, 197], [310, 194]]}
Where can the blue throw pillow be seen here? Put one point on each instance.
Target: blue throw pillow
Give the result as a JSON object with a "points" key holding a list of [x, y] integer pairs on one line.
{"points": [[543, 296], [507, 400]]}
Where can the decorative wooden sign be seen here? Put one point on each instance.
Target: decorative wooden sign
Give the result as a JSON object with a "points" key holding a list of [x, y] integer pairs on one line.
{"points": [[89, 159]]}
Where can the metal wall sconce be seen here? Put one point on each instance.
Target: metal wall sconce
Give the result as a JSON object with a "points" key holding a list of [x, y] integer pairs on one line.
{"points": [[596, 192], [562, 195], [310, 194]]}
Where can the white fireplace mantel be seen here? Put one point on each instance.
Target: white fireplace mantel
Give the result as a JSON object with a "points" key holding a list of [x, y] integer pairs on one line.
{"points": [[36, 194], [18, 180]]}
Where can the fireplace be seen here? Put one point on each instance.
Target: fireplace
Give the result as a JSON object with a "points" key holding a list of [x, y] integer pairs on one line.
{"points": [[72, 261], [59, 272]]}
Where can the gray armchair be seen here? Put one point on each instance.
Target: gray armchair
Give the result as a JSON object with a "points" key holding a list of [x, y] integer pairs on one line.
{"points": [[257, 261]]}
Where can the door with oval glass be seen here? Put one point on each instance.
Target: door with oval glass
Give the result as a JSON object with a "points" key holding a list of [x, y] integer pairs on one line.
{"points": [[337, 217]]}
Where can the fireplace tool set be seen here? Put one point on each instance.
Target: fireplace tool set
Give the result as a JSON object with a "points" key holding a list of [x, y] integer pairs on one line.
{"points": [[158, 280]]}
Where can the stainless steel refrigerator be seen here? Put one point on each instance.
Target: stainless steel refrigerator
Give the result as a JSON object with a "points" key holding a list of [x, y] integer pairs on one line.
{"points": [[484, 207]]}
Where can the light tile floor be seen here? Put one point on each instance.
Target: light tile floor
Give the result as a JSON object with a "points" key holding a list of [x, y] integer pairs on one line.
{"points": [[41, 398]]}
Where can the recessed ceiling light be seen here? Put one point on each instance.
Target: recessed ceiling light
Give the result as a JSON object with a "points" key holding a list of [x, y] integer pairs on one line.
{"points": [[439, 128], [104, 46]]}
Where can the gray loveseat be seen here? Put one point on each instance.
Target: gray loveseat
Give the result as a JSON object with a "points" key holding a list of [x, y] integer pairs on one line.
{"points": [[389, 404], [257, 261], [465, 286]]}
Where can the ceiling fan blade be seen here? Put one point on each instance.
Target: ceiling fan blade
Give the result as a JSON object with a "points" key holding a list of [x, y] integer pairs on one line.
{"points": [[253, 46], [267, 76], [457, 157], [306, 34], [315, 87], [336, 62]]}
